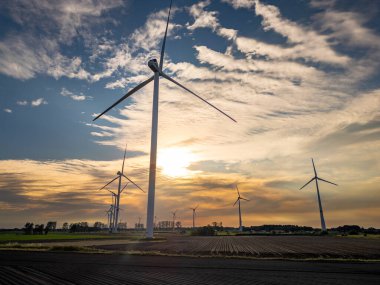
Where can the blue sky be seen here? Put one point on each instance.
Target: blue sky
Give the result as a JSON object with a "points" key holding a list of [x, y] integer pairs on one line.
{"points": [[300, 77]]}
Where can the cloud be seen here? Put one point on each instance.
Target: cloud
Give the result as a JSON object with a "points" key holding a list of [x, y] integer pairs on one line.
{"points": [[151, 33], [45, 28], [22, 103], [240, 3], [203, 18], [67, 93], [8, 110], [38, 102]]}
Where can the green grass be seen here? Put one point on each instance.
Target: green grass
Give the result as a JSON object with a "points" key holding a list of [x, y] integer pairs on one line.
{"points": [[19, 237]]}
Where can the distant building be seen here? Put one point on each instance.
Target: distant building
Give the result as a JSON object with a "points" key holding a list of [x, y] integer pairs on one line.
{"points": [[122, 226], [139, 226]]}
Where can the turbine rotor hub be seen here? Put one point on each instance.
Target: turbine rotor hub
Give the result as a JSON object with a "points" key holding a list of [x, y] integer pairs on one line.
{"points": [[153, 65]]}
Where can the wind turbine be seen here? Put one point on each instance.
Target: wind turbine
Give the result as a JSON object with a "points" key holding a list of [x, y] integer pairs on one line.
{"points": [[238, 201], [109, 216], [173, 213], [194, 215], [157, 69], [119, 190], [316, 178], [113, 207]]}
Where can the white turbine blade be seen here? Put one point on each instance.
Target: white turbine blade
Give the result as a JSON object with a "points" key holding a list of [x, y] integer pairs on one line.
{"points": [[244, 199], [133, 90], [236, 201], [164, 41], [124, 187], [199, 97], [307, 183], [109, 182], [133, 183], [125, 152], [327, 181], [315, 171]]}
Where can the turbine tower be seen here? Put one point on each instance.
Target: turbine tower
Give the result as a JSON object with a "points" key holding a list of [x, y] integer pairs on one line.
{"points": [[157, 69], [173, 213], [119, 191], [316, 178], [194, 215], [109, 217], [238, 201]]}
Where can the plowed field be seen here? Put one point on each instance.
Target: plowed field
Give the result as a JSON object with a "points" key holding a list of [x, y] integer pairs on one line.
{"points": [[260, 246]]}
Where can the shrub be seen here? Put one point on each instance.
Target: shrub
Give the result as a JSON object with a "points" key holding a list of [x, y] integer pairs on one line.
{"points": [[204, 231]]}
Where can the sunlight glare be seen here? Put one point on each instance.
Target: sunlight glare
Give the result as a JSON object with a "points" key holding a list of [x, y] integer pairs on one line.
{"points": [[174, 161]]}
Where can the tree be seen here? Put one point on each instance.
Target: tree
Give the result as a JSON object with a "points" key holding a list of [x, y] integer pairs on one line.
{"points": [[99, 225], [28, 228], [39, 229], [65, 226]]}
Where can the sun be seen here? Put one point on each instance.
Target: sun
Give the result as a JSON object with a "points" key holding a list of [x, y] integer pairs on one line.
{"points": [[175, 161]]}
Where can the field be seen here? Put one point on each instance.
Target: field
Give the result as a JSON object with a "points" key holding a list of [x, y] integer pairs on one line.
{"points": [[19, 237], [259, 246], [38, 268], [298, 247]]}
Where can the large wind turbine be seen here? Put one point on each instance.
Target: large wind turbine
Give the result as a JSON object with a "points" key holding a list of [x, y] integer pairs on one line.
{"points": [[238, 201], [158, 72], [194, 215], [316, 178], [119, 191]]}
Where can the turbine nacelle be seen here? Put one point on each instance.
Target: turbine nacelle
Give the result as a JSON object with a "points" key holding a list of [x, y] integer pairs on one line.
{"points": [[118, 173], [153, 65]]}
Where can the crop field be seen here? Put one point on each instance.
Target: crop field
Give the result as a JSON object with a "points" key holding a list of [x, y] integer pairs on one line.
{"points": [[19, 237], [259, 246]]}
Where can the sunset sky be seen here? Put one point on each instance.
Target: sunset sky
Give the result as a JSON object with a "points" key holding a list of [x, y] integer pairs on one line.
{"points": [[300, 77]]}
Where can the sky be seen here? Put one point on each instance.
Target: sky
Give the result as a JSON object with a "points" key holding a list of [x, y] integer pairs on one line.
{"points": [[301, 78]]}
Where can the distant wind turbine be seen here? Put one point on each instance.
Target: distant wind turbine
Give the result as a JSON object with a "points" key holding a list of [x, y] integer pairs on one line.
{"points": [[238, 201], [119, 176], [173, 213], [194, 215], [158, 72], [316, 178], [109, 216]]}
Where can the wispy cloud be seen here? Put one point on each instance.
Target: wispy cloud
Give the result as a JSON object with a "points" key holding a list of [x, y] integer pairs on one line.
{"points": [[38, 102], [22, 103], [7, 110], [75, 97], [24, 54]]}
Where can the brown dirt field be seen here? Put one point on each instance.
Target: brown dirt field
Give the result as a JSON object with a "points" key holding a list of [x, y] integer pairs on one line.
{"points": [[258, 246]]}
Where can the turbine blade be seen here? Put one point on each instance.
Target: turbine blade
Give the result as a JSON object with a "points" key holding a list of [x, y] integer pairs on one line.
{"points": [[125, 152], [327, 181], [124, 187], [133, 183], [113, 193], [237, 189], [315, 171], [236, 201], [199, 97], [196, 207], [244, 199], [133, 90], [164, 41], [307, 183], [109, 182]]}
